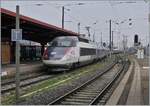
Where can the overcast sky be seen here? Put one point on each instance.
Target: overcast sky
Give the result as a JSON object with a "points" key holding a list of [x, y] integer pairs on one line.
{"points": [[89, 13]]}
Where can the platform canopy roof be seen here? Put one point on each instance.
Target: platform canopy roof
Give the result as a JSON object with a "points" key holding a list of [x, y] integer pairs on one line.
{"points": [[33, 29]]}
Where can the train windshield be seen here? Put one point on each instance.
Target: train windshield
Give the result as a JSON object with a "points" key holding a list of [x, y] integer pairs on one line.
{"points": [[64, 42]]}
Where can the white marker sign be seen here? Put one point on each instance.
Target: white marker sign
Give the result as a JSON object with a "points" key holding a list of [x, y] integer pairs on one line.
{"points": [[16, 34]]}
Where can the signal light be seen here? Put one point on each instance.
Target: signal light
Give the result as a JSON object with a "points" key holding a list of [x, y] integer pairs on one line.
{"points": [[130, 23]]}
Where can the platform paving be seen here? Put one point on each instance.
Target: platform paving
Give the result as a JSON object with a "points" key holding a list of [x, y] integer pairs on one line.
{"points": [[144, 66], [135, 95], [115, 97], [10, 69], [135, 90]]}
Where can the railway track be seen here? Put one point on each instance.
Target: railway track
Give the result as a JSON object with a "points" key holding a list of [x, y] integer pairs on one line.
{"points": [[23, 77], [8, 86], [105, 96], [92, 91]]}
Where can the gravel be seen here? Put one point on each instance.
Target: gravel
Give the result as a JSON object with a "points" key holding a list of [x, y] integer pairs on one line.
{"points": [[45, 97]]}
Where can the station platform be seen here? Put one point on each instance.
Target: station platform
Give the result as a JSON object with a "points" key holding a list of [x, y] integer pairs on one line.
{"points": [[133, 89], [25, 67]]}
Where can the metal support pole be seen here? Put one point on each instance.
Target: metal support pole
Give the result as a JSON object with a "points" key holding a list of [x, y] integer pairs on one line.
{"points": [[17, 58], [94, 36], [88, 29], [101, 40], [79, 28], [63, 17], [89, 32], [149, 41], [124, 45], [112, 39], [110, 36]]}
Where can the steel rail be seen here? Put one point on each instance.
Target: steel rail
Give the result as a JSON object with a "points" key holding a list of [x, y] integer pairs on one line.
{"points": [[24, 85], [58, 100], [107, 87]]}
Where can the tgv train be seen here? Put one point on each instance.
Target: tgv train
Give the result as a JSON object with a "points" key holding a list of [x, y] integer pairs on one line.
{"points": [[66, 52]]}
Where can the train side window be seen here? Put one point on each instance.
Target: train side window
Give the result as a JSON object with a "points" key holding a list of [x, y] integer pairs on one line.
{"points": [[87, 51]]}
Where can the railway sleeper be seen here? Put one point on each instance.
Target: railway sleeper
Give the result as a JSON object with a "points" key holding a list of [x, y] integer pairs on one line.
{"points": [[88, 93], [105, 98], [107, 95], [91, 93], [102, 103], [71, 103], [82, 97], [77, 100], [96, 89], [7, 87]]}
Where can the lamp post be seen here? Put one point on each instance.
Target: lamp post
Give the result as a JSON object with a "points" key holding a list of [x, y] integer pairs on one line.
{"points": [[149, 29], [17, 57], [112, 40], [101, 39], [122, 22], [63, 8], [63, 15], [111, 32], [79, 28], [94, 31], [125, 38], [16, 35], [63, 11], [110, 36], [88, 29]]}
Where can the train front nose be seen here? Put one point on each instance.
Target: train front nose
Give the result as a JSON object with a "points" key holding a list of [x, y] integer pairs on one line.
{"points": [[54, 56], [54, 53], [54, 61]]}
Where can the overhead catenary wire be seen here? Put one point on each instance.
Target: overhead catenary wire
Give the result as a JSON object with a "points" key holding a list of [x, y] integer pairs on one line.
{"points": [[72, 17]]}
